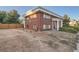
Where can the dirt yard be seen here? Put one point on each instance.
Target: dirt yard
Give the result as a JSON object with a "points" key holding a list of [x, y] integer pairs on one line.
{"points": [[17, 40]]}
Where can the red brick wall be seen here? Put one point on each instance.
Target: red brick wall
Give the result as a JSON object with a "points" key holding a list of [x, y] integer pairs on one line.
{"points": [[32, 21], [48, 21], [39, 21]]}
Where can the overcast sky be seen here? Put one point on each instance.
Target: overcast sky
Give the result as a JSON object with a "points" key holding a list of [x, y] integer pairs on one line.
{"points": [[72, 11]]}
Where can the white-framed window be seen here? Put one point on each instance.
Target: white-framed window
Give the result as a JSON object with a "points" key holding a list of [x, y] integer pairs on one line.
{"points": [[34, 27], [46, 16], [46, 26], [49, 26]]}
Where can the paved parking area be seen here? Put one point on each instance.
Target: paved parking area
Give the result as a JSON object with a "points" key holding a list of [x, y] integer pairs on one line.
{"points": [[18, 40]]}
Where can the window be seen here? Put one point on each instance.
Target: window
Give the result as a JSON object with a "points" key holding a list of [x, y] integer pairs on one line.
{"points": [[33, 16], [46, 16], [49, 26], [27, 18], [46, 26], [34, 27]]}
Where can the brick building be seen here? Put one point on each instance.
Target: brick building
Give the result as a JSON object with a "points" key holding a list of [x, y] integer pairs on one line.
{"points": [[42, 19]]}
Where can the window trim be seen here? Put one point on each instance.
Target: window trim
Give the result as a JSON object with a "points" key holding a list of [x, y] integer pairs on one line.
{"points": [[46, 16]]}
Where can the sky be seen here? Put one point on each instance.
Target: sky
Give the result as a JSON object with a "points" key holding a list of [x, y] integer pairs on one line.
{"points": [[72, 11]]}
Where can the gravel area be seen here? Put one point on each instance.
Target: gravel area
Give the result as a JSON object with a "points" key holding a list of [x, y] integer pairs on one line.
{"points": [[18, 40]]}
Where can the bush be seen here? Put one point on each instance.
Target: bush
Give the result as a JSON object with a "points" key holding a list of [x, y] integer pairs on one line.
{"points": [[76, 27], [68, 29]]}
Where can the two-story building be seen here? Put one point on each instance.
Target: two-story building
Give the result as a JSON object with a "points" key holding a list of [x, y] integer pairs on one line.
{"points": [[42, 19]]}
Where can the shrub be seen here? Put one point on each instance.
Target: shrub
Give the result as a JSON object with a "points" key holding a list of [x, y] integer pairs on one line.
{"points": [[76, 27], [68, 29]]}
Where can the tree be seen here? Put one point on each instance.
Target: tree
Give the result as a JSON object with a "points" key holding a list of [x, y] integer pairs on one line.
{"points": [[12, 16], [2, 16], [66, 20], [9, 17]]}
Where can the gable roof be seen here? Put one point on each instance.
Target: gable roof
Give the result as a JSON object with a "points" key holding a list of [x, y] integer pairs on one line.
{"points": [[43, 10]]}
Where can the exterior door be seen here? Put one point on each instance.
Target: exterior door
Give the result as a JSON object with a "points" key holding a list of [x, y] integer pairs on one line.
{"points": [[54, 25]]}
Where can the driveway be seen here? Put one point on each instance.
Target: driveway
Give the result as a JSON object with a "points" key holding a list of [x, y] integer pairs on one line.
{"points": [[18, 40]]}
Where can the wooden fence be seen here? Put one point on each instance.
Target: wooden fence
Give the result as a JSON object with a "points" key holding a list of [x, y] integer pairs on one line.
{"points": [[11, 26]]}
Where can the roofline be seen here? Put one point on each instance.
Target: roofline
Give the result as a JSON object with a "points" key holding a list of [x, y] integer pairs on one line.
{"points": [[46, 11]]}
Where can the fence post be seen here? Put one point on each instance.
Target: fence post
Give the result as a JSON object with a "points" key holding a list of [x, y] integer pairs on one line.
{"points": [[8, 25]]}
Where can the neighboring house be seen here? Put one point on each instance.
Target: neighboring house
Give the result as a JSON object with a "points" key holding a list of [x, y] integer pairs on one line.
{"points": [[73, 23], [42, 19]]}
